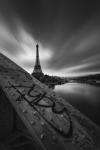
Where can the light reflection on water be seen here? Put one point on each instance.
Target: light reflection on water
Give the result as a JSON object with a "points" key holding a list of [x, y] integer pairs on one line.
{"points": [[84, 97]]}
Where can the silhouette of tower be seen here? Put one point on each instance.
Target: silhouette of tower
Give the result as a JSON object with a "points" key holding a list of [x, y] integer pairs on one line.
{"points": [[37, 72]]}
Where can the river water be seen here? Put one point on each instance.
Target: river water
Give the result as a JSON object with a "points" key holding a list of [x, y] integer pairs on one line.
{"points": [[84, 97]]}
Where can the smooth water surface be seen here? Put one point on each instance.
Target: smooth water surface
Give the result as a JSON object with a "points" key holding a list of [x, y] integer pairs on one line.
{"points": [[84, 97]]}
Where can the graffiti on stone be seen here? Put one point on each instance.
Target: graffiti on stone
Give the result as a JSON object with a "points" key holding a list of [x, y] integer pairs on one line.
{"points": [[40, 100]]}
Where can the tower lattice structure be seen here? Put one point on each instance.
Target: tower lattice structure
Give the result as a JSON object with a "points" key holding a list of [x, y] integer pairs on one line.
{"points": [[37, 72]]}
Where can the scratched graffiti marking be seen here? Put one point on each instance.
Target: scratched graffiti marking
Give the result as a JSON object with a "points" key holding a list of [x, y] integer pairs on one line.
{"points": [[47, 108]]}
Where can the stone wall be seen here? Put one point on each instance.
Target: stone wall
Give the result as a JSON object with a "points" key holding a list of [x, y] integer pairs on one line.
{"points": [[6, 116]]}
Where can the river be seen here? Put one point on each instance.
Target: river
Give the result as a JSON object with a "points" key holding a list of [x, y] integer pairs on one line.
{"points": [[84, 97]]}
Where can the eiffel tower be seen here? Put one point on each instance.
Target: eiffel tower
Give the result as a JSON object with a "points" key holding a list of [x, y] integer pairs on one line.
{"points": [[37, 72]]}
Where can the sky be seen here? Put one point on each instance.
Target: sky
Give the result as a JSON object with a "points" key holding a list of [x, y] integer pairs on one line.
{"points": [[67, 31]]}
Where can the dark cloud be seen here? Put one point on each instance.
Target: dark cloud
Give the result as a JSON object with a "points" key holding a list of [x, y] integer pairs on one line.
{"points": [[69, 28]]}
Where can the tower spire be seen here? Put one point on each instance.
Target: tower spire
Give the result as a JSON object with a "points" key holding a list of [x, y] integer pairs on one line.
{"points": [[37, 63], [37, 72]]}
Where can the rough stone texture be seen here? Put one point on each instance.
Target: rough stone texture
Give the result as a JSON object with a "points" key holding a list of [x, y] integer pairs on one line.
{"points": [[6, 116], [51, 122]]}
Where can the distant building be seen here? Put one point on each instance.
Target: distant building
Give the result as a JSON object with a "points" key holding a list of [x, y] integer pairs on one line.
{"points": [[37, 72]]}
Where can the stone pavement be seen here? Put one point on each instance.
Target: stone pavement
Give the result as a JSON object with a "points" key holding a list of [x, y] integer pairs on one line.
{"points": [[51, 121]]}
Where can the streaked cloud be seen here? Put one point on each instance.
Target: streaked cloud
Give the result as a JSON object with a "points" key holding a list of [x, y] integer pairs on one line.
{"points": [[68, 33]]}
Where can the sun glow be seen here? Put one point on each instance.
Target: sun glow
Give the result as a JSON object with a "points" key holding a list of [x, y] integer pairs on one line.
{"points": [[29, 54], [28, 44], [22, 47]]}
